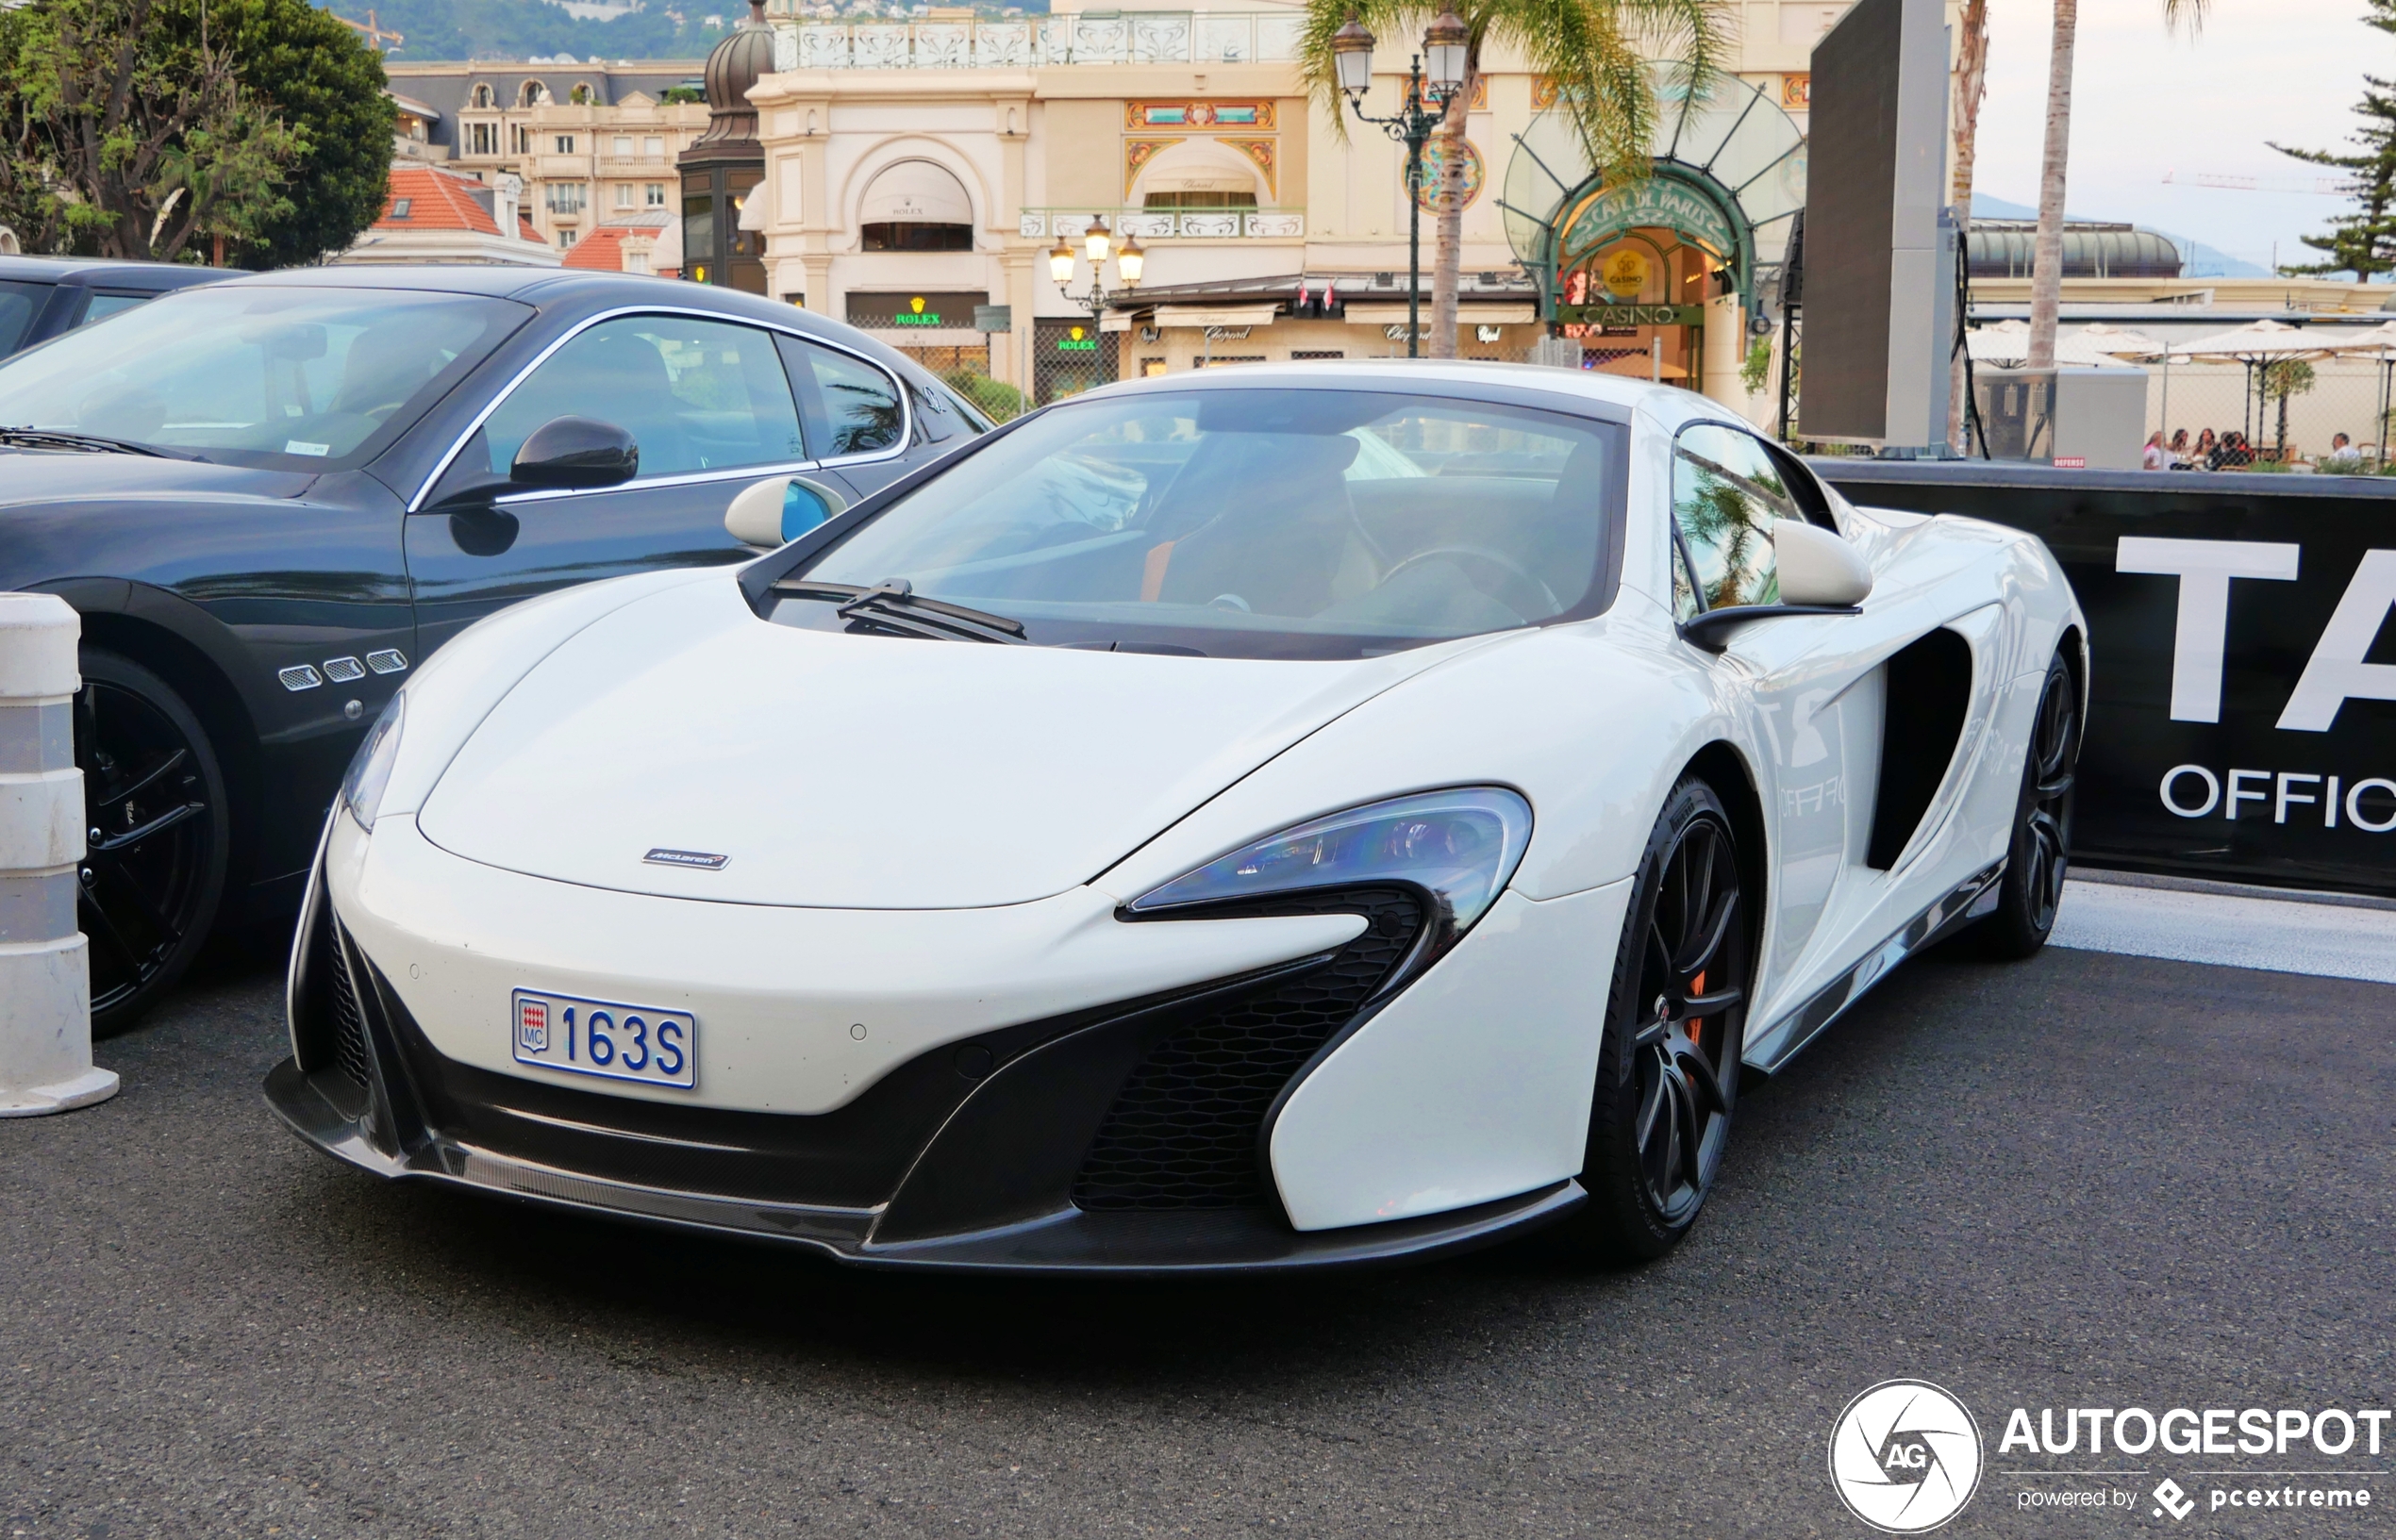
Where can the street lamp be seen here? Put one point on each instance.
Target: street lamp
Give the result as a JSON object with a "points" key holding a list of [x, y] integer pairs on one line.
{"points": [[1445, 44], [1098, 243]]}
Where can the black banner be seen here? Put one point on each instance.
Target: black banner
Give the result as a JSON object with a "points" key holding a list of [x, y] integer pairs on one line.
{"points": [[2242, 724]]}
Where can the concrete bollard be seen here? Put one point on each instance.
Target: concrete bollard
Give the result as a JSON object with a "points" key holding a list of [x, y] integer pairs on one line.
{"points": [[45, 964]]}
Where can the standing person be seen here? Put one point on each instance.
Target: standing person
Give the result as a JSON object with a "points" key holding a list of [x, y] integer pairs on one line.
{"points": [[2153, 458]]}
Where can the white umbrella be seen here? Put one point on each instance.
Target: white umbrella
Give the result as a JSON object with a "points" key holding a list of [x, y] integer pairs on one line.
{"points": [[2007, 342], [2259, 341], [2119, 342]]}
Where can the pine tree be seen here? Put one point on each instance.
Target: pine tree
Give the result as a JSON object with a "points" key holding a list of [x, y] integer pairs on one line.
{"points": [[2364, 242]]}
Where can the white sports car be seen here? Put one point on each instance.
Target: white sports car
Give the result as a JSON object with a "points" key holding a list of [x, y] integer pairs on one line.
{"points": [[1283, 817]]}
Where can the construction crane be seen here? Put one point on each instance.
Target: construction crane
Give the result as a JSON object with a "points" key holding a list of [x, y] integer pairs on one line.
{"points": [[382, 38]]}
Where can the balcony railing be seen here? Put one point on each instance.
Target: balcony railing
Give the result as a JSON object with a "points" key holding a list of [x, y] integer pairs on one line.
{"points": [[1079, 38], [1169, 225]]}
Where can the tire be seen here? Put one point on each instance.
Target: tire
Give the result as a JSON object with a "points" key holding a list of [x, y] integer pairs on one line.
{"points": [[1668, 1067], [158, 828], [2040, 854]]}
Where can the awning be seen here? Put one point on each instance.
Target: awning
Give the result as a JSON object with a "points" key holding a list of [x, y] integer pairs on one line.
{"points": [[1468, 314], [1204, 315], [916, 193]]}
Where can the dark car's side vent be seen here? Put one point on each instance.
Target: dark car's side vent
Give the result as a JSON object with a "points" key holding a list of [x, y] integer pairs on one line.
{"points": [[1184, 1130], [349, 1022]]}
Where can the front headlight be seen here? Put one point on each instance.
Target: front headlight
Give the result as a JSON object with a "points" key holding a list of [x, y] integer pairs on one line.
{"points": [[370, 768], [1461, 845]]}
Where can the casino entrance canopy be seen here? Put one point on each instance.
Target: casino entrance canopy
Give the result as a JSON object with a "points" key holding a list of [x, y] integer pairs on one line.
{"points": [[1729, 175]]}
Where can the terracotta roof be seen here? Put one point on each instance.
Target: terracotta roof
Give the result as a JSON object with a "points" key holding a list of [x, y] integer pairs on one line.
{"points": [[441, 200], [602, 251]]}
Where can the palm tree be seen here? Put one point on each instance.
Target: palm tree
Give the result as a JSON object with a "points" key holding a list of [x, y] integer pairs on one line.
{"points": [[1971, 83], [2046, 254], [1595, 53]]}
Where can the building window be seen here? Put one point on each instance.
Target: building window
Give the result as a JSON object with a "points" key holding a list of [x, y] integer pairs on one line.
{"points": [[482, 95], [565, 197], [1188, 199], [565, 145], [523, 139], [911, 236], [636, 261], [623, 194], [654, 195], [1150, 368], [565, 241], [533, 94], [482, 139], [654, 147], [400, 207], [623, 147], [580, 95]]}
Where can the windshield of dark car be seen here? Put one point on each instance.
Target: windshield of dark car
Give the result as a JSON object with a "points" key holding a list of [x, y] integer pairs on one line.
{"points": [[1260, 521], [19, 302], [294, 379]]}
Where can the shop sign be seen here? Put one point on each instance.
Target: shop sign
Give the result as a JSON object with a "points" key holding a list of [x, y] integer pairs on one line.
{"points": [[1651, 203], [1631, 315], [906, 310], [1077, 340]]}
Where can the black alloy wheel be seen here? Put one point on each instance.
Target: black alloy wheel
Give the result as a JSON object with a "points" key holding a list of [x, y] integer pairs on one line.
{"points": [[2039, 855], [1667, 1068], [155, 833]]}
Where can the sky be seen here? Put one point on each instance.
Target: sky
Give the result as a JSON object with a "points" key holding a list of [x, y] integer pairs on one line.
{"points": [[2148, 103]]}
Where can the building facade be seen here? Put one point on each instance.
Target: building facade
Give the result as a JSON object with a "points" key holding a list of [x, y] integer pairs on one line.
{"points": [[916, 171], [593, 145]]}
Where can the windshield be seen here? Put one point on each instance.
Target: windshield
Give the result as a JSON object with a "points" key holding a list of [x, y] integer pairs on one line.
{"points": [[290, 379], [1258, 523], [19, 302]]}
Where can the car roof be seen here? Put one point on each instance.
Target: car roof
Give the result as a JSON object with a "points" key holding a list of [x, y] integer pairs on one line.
{"points": [[1467, 377], [99, 270], [546, 286]]}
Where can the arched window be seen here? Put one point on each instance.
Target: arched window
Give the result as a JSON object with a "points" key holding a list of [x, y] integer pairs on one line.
{"points": [[916, 205], [1199, 174], [534, 94], [482, 95], [580, 95]]}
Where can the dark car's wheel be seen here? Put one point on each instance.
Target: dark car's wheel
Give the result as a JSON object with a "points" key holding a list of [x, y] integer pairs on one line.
{"points": [[155, 831], [1667, 1067], [2040, 853]]}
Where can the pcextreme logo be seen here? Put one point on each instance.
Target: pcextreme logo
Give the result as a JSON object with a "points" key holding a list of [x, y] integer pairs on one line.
{"points": [[1904, 1456]]}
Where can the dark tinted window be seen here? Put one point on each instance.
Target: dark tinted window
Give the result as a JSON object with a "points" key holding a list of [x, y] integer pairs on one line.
{"points": [[19, 304], [851, 408], [695, 395], [101, 307]]}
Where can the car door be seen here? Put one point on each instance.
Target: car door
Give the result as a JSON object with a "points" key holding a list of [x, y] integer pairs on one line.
{"points": [[712, 408], [1808, 681]]}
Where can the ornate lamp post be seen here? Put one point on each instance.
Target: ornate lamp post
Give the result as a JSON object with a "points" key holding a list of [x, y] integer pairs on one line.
{"points": [[1445, 43], [1098, 243]]}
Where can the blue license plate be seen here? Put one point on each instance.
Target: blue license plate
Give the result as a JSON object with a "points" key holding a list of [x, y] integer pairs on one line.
{"points": [[605, 1038]]}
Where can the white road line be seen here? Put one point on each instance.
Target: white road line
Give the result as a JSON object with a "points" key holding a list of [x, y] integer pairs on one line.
{"points": [[2276, 935]]}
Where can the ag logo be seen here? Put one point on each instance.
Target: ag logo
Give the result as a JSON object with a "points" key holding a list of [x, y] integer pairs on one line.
{"points": [[1904, 1456]]}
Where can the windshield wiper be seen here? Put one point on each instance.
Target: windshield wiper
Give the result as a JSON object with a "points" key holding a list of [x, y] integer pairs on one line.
{"points": [[894, 605], [89, 443]]}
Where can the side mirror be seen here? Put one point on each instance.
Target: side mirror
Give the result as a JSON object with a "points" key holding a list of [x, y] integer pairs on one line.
{"points": [[1820, 574], [773, 512], [1818, 569], [576, 451]]}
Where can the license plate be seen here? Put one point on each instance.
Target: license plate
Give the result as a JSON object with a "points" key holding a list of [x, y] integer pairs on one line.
{"points": [[605, 1038]]}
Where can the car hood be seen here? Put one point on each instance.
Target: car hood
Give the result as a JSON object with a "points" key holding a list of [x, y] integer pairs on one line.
{"points": [[873, 772], [50, 475]]}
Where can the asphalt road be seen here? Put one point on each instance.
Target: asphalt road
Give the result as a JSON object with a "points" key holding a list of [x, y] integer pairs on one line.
{"points": [[2089, 1180]]}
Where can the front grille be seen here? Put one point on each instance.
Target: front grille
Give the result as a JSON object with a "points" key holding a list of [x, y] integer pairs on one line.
{"points": [[349, 1022], [1184, 1130]]}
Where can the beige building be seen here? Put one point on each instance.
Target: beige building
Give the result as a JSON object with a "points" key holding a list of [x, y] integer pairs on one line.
{"points": [[592, 145], [939, 160]]}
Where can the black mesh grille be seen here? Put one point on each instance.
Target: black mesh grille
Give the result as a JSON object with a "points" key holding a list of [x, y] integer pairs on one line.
{"points": [[349, 1025], [1183, 1132]]}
